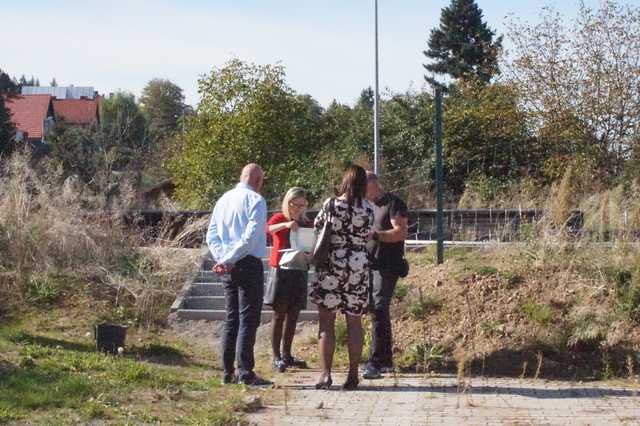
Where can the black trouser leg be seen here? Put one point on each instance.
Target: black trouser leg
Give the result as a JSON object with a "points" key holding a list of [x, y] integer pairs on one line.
{"points": [[250, 278], [381, 351], [231, 325]]}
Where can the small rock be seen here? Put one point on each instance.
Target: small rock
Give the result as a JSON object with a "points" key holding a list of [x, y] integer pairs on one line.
{"points": [[88, 334], [252, 403], [320, 405], [175, 395]]}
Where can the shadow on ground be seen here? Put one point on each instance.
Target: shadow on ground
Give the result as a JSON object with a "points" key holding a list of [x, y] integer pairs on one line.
{"points": [[153, 353], [530, 392]]}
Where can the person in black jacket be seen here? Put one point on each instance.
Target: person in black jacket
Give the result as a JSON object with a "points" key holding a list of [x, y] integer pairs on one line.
{"points": [[391, 223]]}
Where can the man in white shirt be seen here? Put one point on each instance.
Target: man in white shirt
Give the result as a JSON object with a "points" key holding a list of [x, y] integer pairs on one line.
{"points": [[237, 240]]}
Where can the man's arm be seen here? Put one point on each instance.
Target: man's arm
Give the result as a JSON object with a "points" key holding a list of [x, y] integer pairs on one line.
{"points": [[398, 232], [257, 223], [213, 239], [399, 223]]}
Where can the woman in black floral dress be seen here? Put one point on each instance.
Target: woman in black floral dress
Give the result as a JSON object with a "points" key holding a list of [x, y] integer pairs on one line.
{"points": [[343, 285]]}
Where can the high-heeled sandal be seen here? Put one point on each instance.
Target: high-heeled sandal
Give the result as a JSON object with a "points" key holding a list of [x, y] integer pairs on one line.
{"points": [[324, 384], [351, 383]]}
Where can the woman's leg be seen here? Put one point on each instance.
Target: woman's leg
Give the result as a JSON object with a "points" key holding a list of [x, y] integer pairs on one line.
{"points": [[326, 340], [277, 321], [354, 343], [289, 331]]}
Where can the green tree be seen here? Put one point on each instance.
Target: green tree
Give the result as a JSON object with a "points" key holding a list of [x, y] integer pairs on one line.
{"points": [[407, 141], [124, 128], [53, 83], [247, 113], [578, 82], [463, 45], [77, 150], [7, 85], [487, 135], [31, 82], [7, 130], [162, 103]]}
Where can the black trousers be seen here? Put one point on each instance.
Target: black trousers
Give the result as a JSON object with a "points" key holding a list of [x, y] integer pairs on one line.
{"points": [[383, 285], [243, 289]]}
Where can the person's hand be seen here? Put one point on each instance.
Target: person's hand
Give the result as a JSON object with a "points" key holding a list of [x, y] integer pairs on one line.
{"points": [[293, 225], [221, 268], [371, 235]]}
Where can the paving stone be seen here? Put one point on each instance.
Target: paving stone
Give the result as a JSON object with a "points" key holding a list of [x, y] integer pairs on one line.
{"points": [[416, 400]]}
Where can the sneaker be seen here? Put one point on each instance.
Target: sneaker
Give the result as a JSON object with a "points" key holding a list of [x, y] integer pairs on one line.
{"points": [[370, 372], [280, 365], [292, 361], [229, 379], [255, 381]]}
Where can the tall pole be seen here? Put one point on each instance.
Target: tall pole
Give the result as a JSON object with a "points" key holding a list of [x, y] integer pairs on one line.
{"points": [[437, 130], [376, 106]]}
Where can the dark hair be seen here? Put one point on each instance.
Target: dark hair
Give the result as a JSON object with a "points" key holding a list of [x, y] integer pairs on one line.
{"points": [[354, 184]]}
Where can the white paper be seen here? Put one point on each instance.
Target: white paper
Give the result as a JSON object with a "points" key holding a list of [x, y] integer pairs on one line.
{"points": [[302, 239], [294, 259]]}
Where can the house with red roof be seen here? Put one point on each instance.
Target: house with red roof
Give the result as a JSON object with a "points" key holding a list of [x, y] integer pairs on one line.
{"points": [[32, 116], [35, 114], [79, 112]]}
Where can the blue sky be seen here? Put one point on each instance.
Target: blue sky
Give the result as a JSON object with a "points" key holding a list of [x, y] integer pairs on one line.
{"points": [[326, 46]]}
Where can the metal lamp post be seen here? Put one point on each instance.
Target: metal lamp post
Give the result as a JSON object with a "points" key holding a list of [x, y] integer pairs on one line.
{"points": [[376, 99]]}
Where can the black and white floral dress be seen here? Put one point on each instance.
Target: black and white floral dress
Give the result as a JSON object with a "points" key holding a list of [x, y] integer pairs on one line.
{"points": [[344, 284]]}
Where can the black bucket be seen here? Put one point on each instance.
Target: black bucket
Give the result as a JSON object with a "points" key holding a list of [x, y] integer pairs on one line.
{"points": [[110, 337]]}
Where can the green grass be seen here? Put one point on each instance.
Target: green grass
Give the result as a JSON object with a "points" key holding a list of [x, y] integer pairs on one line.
{"points": [[44, 289], [45, 376], [425, 305], [423, 356], [542, 314], [217, 413], [486, 271], [401, 291], [35, 388]]}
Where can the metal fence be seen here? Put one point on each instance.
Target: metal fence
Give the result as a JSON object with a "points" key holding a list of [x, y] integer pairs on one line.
{"points": [[459, 224]]}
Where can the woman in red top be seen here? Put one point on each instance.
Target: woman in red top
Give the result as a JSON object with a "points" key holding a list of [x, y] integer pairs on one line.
{"points": [[286, 288]]}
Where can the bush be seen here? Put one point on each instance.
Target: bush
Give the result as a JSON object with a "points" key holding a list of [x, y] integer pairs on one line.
{"points": [[628, 293], [43, 289], [586, 329], [542, 314], [424, 355]]}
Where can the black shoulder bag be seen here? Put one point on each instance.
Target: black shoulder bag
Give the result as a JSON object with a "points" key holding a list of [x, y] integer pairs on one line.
{"points": [[320, 253]]}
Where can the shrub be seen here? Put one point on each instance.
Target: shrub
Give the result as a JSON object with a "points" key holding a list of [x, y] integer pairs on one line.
{"points": [[542, 314], [43, 289], [424, 355], [60, 237], [628, 294], [587, 329]]}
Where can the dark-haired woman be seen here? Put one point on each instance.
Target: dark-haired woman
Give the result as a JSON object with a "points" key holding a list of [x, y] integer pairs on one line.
{"points": [[342, 285]]}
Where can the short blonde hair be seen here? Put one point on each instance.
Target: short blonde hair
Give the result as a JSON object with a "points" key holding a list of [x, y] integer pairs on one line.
{"points": [[292, 194]]}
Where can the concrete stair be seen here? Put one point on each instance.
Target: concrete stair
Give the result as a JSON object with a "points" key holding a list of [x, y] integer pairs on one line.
{"points": [[202, 297]]}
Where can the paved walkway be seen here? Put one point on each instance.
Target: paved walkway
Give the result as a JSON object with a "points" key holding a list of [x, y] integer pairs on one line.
{"points": [[416, 400]]}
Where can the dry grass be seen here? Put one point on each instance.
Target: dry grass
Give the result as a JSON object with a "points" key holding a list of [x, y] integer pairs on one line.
{"points": [[562, 303], [59, 239]]}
